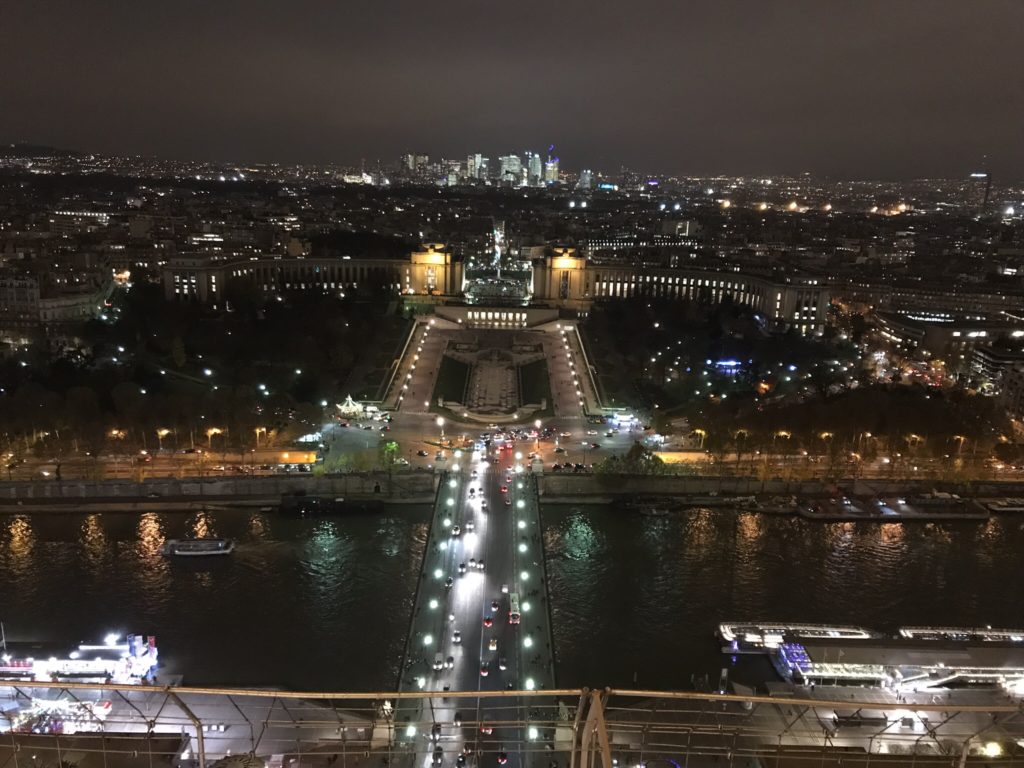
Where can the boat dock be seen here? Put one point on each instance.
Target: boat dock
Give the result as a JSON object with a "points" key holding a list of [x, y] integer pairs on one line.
{"points": [[894, 509]]}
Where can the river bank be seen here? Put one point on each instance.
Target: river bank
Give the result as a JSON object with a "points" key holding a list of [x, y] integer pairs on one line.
{"points": [[845, 501]]}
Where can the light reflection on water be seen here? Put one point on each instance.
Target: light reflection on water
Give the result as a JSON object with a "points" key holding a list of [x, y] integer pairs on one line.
{"points": [[325, 603], [313, 604], [647, 600]]}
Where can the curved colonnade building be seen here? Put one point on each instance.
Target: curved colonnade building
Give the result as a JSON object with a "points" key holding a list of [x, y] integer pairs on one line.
{"points": [[563, 279]]}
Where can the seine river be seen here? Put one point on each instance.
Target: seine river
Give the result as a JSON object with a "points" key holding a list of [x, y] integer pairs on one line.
{"points": [[324, 604]]}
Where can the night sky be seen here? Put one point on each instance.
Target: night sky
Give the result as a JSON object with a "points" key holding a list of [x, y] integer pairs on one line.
{"points": [[857, 89]]}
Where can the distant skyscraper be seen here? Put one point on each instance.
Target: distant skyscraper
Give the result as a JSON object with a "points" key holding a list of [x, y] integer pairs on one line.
{"points": [[979, 190], [511, 168], [551, 171], [586, 179], [536, 170], [416, 163], [473, 163], [484, 169]]}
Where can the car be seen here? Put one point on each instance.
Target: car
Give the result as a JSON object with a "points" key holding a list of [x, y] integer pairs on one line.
{"points": [[448, 582], [458, 720], [483, 503], [152, 495], [474, 475], [486, 729], [488, 621], [456, 530], [368, 427], [504, 489], [504, 589], [485, 669], [479, 565], [502, 758], [472, 491], [435, 732], [502, 664], [591, 431], [509, 686], [508, 478], [472, 563], [470, 526], [508, 502], [565, 434], [449, 663], [493, 644], [438, 758], [460, 761], [494, 606], [595, 446], [422, 453], [462, 568], [559, 450], [457, 637]]}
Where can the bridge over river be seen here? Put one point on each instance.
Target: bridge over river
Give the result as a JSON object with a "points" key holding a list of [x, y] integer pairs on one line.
{"points": [[477, 690]]}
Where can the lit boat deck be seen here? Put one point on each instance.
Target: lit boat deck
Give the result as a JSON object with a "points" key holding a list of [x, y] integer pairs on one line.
{"points": [[963, 634], [764, 636]]}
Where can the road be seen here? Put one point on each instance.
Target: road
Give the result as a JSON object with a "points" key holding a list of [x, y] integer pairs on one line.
{"points": [[498, 523]]}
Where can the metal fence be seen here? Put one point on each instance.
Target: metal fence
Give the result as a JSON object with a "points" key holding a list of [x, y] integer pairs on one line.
{"points": [[59, 725]]}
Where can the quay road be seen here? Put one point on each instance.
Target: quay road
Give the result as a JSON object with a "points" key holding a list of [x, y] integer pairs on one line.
{"points": [[483, 561]]}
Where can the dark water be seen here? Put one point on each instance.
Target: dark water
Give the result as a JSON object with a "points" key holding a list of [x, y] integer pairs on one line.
{"points": [[636, 594], [302, 604], [324, 604]]}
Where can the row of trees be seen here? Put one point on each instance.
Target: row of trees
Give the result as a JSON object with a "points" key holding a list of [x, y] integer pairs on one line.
{"points": [[882, 419], [81, 421]]}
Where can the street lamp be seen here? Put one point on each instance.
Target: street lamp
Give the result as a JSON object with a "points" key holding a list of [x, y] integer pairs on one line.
{"points": [[703, 434], [440, 424], [160, 435], [209, 435], [257, 430]]}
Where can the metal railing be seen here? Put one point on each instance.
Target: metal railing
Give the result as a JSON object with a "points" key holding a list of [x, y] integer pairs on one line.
{"points": [[54, 725]]}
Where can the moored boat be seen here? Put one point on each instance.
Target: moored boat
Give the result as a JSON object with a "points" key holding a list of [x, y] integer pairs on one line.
{"points": [[198, 547], [1006, 505]]}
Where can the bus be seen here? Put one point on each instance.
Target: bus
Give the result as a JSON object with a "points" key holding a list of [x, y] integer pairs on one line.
{"points": [[513, 608]]}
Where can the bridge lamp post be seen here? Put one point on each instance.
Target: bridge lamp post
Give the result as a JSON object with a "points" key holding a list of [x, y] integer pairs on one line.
{"points": [[440, 425]]}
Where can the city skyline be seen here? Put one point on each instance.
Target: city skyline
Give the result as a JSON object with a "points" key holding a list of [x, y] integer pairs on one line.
{"points": [[723, 90]]}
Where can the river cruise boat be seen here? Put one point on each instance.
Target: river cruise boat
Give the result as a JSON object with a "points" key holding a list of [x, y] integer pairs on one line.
{"points": [[198, 547], [963, 634], [130, 660], [763, 637], [1006, 505]]}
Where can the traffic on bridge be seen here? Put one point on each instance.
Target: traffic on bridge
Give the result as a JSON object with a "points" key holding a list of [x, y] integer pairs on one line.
{"points": [[481, 620]]}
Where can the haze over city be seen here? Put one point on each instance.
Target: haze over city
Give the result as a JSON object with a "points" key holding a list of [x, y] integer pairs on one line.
{"points": [[875, 89]]}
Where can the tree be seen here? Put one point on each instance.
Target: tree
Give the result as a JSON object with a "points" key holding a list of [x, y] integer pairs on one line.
{"points": [[388, 453], [637, 461]]}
